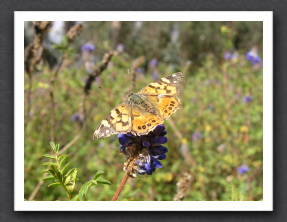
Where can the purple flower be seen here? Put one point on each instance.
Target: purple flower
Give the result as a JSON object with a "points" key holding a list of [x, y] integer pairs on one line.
{"points": [[247, 99], [242, 169], [139, 70], [121, 48], [231, 56], [227, 55], [196, 136], [88, 47], [155, 75], [146, 149], [76, 117], [253, 57], [153, 63]]}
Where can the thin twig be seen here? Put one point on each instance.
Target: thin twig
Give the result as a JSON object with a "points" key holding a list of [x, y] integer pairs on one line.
{"points": [[106, 59], [52, 87], [176, 131], [138, 62]]}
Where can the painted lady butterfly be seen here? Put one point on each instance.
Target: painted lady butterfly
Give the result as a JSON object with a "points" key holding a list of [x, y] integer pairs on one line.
{"points": [[143, 111]]}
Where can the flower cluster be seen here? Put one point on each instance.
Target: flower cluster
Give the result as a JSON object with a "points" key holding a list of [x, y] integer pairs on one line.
{"points": [[153, 63], [121, 47], [155, 75], [242, 169], [231, 56], [77, 117], [88, 47], [144, 152], [253, 57], [247, 99]]}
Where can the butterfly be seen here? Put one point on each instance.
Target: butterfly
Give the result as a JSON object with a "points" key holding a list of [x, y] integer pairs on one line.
{"points": [[141, 112]]}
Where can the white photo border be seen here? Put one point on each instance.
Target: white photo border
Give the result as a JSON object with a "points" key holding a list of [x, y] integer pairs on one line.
{"points": [[265, 205]]}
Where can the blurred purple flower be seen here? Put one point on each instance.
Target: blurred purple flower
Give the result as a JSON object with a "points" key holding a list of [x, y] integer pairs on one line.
{"points": [[153, 63], [242, 169], [231, 55], [155, 75], [253, 57], [76, 117], [227, 55], [98, 80], [88, 47], [139, 70], [196, 136], [247, 99], [121, 47]]}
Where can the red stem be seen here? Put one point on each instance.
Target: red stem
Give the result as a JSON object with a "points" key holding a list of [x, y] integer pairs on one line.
{"points": [[122, 184]]}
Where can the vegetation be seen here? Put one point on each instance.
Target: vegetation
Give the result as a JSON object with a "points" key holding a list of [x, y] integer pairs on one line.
{"points": [[215, 138]]}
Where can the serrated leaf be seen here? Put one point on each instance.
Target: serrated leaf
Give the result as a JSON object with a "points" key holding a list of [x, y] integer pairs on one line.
{"points": [[54, 184], [50, 177], [103, 181], [98, 174], [65, 167], [49, 164]]}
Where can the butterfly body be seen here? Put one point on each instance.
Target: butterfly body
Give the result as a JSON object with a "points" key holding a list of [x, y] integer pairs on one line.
{"points": [[141, 112]]}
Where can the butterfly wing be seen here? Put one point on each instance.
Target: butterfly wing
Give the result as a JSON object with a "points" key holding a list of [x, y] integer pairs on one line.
{"points": [[163, 94], [166, 86], [143, 122], [118, 121]]}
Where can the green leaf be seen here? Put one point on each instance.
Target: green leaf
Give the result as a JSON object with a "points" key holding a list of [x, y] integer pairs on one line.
{"points": [[49, 156], [62, 156], [98, 174], [49, 164], [65, 167], [74, 175], [50, 177], [75, 198], [70, 172], [102, 181], [54, 184], [65, 41], [57, 148], [84, 189], [52, 144], [94, 182], [63, 160]]}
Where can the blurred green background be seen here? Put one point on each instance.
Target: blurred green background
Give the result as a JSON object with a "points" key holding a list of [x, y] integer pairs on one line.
{"points": [[216, 136]]}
